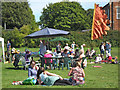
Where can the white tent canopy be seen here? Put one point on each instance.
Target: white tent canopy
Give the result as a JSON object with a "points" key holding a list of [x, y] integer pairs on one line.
{"points": [[2, 40]]}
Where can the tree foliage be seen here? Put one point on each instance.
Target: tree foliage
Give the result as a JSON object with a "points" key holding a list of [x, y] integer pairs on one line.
{"points": [[17, 14], [65, 16], [17, 39], [90, 16]]}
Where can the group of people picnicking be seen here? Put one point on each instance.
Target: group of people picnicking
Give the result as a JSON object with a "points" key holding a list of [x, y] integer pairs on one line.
{"points": [[43, 77], [40, 76], [59, 52], [105, 48]]}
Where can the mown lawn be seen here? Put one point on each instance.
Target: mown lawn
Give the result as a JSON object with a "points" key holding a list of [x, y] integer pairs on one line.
{"points": [[104, 77]]}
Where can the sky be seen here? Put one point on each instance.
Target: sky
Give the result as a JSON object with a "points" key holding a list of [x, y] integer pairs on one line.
{"points": [[38, 5]]}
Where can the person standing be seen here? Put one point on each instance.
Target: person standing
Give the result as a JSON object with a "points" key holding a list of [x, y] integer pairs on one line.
{"points": [[42, 47], [58, 48], [82, 49], [8, 45], [107, 49], [16, 59], [102, 48], [8, 48], [47, 46], [67, 47], [73, 46], [42, 51]]}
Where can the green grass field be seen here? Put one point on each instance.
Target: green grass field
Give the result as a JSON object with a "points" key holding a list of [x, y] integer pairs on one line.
{"points": [[104, 77]]}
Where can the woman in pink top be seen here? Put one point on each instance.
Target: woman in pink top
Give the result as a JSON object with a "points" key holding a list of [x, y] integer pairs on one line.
{"points": [[49, 55]]}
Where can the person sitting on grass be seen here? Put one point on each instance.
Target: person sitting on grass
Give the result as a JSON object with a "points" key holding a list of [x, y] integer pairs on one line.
{"points": [[32, 74], [54, 53], [47, 78], [114, 60], [92, 53], [32, 70], [77, 53], [71, 52], [102, 56], [77, 74], [109, 58], [87, 53], [98, 59]]}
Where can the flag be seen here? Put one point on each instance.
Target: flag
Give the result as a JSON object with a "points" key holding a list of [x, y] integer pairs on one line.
{"points": [[99, 23]]}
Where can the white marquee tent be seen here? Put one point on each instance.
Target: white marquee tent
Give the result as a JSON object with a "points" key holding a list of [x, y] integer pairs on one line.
{"points": [[2, 40]]}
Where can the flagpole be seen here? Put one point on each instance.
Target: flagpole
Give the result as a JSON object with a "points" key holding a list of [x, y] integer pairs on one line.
{"points": [[93, 22]]}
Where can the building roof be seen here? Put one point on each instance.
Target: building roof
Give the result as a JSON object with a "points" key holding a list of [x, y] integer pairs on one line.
{"points": [[106, 5], [86, 30]]}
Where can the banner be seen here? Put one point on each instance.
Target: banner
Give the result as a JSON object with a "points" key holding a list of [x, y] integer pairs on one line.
{"points": [[99, 23]]}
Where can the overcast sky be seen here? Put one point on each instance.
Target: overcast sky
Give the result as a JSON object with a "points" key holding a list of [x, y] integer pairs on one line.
{"points": [[38, 5]]}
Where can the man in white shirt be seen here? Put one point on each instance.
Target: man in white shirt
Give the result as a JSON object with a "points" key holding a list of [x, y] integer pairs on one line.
{"points": [[82, 47], [67, 47], [98, 59]]}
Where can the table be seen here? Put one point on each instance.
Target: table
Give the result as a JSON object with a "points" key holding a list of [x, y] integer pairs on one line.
{"points": [[67, 61]]}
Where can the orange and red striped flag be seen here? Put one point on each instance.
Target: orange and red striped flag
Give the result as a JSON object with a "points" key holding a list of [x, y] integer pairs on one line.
{"points": [[99, 23]]}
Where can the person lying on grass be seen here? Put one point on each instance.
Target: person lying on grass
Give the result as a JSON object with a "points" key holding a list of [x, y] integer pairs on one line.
{"points": [[77, 74], [47, 78]]}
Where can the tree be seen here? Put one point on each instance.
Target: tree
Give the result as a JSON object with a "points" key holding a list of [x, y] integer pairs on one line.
{"points": [[90, 17], [65, 16], [17, 14]]}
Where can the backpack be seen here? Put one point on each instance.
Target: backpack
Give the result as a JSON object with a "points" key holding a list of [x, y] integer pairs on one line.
{"points": [[29, 81]]}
